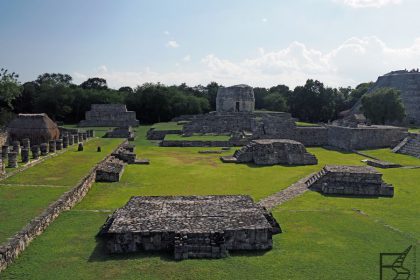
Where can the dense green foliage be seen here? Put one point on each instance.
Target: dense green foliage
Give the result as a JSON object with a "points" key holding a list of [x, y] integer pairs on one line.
{"points": [[383, 106], [57, 95]]}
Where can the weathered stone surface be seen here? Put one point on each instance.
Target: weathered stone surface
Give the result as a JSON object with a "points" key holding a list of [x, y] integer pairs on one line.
{"points": [[4, 152], [80, 147], [25, 155], [110, 170], [120, 132], [381, 164], [350, 180], [26, 143], [190, 226], [409, 146], [16, 147], [275, 151], [59, 144], [65, 141], [35, 151], [109, 115], [153, 134], [51, 146], [44, 149], [238, 98], [13, 158]]}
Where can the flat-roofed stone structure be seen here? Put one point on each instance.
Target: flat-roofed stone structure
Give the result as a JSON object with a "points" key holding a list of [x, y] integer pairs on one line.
{"points": [[120, 132], [239, 98], [350, 180], [274, 151], [110, 171], [190, 226], [109, 115]]}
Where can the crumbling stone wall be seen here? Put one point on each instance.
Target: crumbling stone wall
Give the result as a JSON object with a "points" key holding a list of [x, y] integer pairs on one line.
{"points": [[153, 134], [238, 98], [409, 146], [18, 243]]}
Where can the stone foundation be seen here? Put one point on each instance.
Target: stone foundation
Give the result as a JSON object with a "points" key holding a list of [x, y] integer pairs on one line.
{"points": [[114, 115], [409, 146], [110, 170]]}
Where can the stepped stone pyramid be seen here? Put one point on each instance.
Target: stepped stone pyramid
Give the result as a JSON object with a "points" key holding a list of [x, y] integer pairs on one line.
{"points": [[408, 82], [409, 146]]}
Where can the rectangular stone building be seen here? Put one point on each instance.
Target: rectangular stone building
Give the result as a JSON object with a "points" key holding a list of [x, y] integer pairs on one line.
{"points": [[190, 226], [114, 115]]}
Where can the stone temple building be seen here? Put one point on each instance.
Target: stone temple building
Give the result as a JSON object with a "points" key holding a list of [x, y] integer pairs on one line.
{"points": [[239, 98], [408, 83], [349, 180], [115, 115], [190, 226], [38, 128], [274, 151]]}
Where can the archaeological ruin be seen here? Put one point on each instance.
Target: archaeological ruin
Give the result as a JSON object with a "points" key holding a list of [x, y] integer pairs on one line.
{"points": [[110, 171], [350, 180], [409, 146], [120, 132], [273, 151], [238, 98], [408, 83], [114, 115], [38, 128], [190, 226]]}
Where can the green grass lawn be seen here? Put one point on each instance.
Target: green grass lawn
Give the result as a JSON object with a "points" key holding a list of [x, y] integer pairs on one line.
{"points": [[167, 126], [99, 131], [414, 130], [305, 124], [205, 137], [323, 237]]}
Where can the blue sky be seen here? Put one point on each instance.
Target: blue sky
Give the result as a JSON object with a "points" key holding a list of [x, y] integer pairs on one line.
{"points": [[261, 43]]}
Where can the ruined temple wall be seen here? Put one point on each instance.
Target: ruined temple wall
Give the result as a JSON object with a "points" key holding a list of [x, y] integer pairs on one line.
{"points": [[214, 123], [109, 115], [365, 137]]}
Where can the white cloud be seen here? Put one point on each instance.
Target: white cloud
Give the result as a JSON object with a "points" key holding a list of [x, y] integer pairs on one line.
{"points": [[172, 44], [187, 58], [368, 3], [354, 61], [264, 20], [166, 32]]}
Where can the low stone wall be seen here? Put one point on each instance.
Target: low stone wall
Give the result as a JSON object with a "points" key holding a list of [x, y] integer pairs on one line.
{"points": [[187, 143], [18, 243], [153, 134], [311, 136]]}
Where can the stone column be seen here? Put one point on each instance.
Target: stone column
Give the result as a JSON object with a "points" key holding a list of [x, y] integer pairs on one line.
{"points": [[80, 135], [71, 139], [35, 151], [80, 148], [51, 146], [25, 155], [16, 147], [26, 143], [44, 149], [4, 152], [58, 144], [92, 133], [84, 136], [65, 142], [12, 159]]}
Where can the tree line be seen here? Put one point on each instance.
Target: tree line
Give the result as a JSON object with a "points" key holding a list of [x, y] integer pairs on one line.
{"points": [[67, 102]]}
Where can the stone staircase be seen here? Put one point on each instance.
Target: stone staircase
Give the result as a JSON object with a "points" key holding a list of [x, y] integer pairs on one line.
{"points": [[315, 177], [409, 146]]}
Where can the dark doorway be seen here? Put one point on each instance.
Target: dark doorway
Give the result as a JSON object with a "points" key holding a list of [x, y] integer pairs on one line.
{"points": [[237, 106]]}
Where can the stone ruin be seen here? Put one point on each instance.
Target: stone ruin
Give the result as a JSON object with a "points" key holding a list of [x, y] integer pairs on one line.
{"points": [[121, 132], [110, 170], [239, 98], [409, 146], [2, 167], [408, 83], [273, 151], [190, 226], [349, 180], [114, 115]]}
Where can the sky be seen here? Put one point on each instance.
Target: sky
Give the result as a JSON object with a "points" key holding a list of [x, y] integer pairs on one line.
{"points": [[260, 43]]}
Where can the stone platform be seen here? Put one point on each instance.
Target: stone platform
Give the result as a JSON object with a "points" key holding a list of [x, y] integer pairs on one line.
{"points": [[114, 115], [190, 226], [273, 151]]}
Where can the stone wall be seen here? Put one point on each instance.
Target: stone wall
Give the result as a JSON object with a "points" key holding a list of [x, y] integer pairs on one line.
{"points": [[238, 98], [17, 244], [3, 137], [153, 134], [115, 115], [365, 137], [409, 146]]}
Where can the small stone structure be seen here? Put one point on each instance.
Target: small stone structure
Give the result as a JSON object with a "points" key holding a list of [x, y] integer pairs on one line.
{"points": [[121, 132], [2, 167], [239, 98], [350, 180], [110, 170], [59, 144], [35, 151], [109, 115], [381, 164], [13, 159], [25, 155], [51, 146], [126, 154], [409, 146], [44, 149], [80, 147], [190, 226], [273, 151]]}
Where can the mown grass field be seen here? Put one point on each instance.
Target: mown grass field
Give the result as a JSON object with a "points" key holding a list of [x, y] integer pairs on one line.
{"points": [[167, 126], [324, 237], [198, 137], [28, 193]]}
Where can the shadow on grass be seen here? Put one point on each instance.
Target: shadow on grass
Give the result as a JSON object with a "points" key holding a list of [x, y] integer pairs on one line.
{"points": [[350, 196]]}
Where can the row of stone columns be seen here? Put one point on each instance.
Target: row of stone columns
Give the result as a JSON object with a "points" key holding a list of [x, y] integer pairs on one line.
{"points": [[11, 153]]}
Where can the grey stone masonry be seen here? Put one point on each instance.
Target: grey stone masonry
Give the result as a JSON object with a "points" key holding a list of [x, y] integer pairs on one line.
{"points": [[84, 136], [190, 226], [44, 149], [13, 158], [275, 151], [109, 115], [59, 144], [80, 137], [35, 151], [238, 98], [26, 143], [2, 167], [25, 155], [71, 140], [65, 141], [350, 180], [16, 147], [4, 152], [51, 146], [409, 146], [110, 171]]}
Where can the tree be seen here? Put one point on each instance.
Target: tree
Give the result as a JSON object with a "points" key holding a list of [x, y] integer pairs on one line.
{"points": [[358, 92], [10, 89], [94, 83], [383, 105], [275, 102], [212, 89], [54, 79], [126, 89]]}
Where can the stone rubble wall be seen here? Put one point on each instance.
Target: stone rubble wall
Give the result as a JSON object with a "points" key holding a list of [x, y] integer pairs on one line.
{"points": [[18, 243], [153, 134], [409, 146]]}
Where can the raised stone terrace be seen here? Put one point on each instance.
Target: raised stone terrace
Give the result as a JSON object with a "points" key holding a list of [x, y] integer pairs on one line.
{"points": [[109, 115], [190, 226]]}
